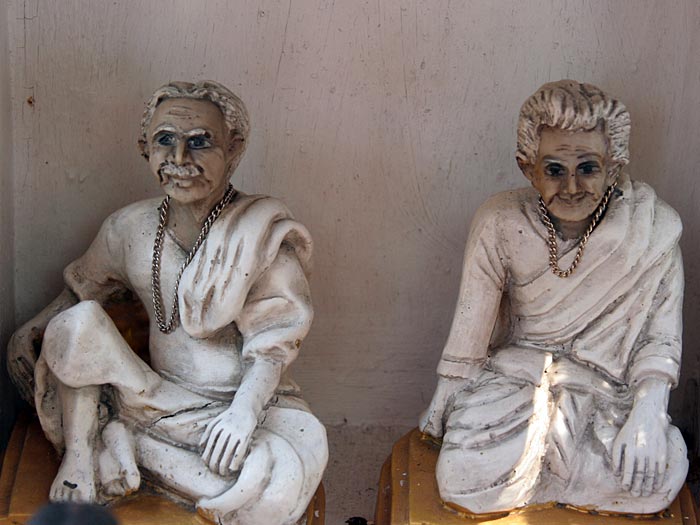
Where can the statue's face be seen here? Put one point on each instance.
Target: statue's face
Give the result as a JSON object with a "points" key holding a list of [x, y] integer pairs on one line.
{"points": [[189, 149], [571, 172]]}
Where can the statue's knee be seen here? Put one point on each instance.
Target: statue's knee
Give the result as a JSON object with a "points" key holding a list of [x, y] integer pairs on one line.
{"points": [[677, 457], [87, 313], [65, 333], [84, 315]]}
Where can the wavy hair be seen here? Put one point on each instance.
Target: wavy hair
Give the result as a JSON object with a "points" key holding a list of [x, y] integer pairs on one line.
{"points": [[233, 109], [573, 106]]}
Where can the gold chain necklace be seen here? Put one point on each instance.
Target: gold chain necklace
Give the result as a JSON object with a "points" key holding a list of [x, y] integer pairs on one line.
{"points": [[552, 237], [156, 294]]}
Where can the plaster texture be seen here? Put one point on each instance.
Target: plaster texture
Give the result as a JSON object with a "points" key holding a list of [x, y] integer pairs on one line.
{"points": [[7, 303], [382, 124]]}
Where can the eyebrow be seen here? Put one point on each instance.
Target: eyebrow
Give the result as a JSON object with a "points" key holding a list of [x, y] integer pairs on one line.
{"points": [[197, 131], [164, 127], [549, 158]]}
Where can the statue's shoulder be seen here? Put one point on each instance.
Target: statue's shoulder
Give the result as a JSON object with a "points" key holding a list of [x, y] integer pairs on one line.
{"points": [[666, 218], [261, 204], [505, 207], [136, 214]]}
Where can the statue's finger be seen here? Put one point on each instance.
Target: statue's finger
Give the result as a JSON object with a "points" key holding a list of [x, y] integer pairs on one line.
{"points": [[618, 457], [207, 430], [215, 460], [649, 476], [238, 457], [211, 442], [641, 467], [225, 463], [629, 464], [660, 473]]}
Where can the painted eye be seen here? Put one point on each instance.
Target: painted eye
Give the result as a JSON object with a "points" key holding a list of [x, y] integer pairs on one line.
{"points": [[555, 170], [198, 142], [166, 139], [588, 168]]}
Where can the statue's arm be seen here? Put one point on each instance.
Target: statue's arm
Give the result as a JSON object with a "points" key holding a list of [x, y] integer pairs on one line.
{"points": [[484, 276], [95, 276], [639, 453], [25, 344], [275, 319]]}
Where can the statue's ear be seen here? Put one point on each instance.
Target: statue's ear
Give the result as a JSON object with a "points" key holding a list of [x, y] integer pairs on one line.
{"points": [[143, 148], [525, 167], [614, 169], [236, 144]]}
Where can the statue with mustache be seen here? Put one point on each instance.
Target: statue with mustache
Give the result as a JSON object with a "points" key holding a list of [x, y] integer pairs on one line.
{"points": [[212, 418]]}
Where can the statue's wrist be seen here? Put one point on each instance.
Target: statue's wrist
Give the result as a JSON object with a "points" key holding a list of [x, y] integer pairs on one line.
{"points": [[243, 405], [651, 396]]}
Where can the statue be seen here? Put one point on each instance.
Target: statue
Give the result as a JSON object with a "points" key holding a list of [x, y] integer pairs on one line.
{"points": [[212, 419], [553, 384]]}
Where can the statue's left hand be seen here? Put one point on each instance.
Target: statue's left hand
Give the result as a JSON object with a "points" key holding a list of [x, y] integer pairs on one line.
{"points": [[640, 449], [227, 438]]}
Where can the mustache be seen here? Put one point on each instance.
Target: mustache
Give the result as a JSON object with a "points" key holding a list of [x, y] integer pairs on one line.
{"points": [[169, 169]]}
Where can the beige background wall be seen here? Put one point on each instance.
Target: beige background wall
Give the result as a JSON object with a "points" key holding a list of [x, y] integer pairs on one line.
{"points": [[383, 124], [7, 309]]}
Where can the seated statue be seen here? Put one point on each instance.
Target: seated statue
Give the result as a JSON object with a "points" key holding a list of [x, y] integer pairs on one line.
{"points": [[553, 385], [212, 419]]}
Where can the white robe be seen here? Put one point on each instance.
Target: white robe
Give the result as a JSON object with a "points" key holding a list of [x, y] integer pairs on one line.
{"points": [[559, 355], [243, 298]]}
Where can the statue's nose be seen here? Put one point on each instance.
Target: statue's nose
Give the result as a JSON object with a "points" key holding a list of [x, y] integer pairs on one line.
{"points": [[180, 152], [571, 184]]}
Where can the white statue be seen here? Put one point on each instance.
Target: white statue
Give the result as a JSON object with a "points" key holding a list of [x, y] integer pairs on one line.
{"points": [[213, 419], [554, 382]]}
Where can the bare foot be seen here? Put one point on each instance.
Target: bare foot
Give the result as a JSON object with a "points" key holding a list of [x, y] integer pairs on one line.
{"points": [[75, 480], [119, 473]]}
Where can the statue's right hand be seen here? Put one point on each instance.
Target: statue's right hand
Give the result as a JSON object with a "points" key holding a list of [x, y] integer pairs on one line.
{"points": [[432, 421], [227, 438], [22, 353]]}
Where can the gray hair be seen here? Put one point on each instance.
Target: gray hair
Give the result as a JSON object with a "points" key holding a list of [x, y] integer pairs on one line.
{"points": [[573, 106], [234, 111]]}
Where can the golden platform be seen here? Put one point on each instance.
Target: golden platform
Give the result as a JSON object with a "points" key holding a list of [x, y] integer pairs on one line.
{"points": [[31, 463], [408, 495]]}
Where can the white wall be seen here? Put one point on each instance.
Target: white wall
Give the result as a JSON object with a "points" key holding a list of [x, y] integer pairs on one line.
{"points": [[7, 303], [383, 124]]}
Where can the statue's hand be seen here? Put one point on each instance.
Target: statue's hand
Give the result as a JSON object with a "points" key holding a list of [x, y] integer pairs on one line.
{"points": [[226, 440], [22, 353], [639, 450], [432, 420]]}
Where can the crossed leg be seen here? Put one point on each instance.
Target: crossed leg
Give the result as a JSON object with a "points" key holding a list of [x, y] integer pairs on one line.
{"points": [[84, 351]]}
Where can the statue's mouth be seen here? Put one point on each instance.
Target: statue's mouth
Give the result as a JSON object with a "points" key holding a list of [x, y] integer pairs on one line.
{"points": [[182, 175], [573, 200]]}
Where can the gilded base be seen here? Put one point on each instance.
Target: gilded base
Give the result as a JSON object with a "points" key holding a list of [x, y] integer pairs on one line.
{"points": [[30, 465], [408, 495]]}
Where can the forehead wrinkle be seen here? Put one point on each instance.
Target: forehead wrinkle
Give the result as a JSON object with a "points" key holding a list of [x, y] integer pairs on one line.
{"points": [[588, 153], [179, 110]]}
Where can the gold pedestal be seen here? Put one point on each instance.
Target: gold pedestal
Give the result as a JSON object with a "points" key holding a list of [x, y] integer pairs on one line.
{"points": [[30, 466], [408, 495]]}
